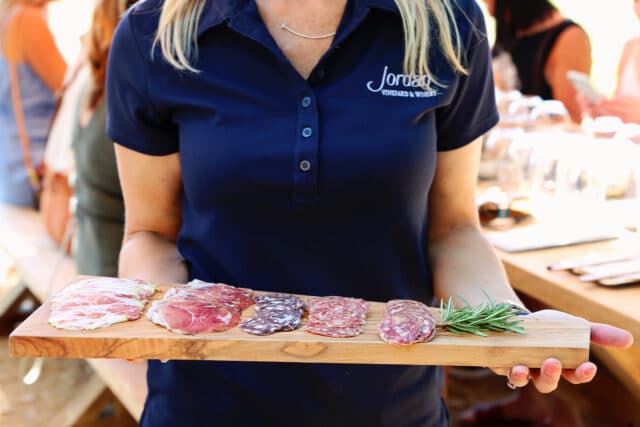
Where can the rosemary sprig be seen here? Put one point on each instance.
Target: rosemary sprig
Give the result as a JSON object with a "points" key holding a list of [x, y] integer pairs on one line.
{"points": [[480, 319]]}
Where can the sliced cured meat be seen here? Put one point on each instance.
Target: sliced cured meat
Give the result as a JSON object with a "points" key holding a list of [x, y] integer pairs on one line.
{"points": [[407, 322], [273, 313], [99, 302], [193, 317], [199, 307], [337, 317]]}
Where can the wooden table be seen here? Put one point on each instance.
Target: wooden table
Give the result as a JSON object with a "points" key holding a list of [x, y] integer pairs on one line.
{"points": [[43, 269], [562, 290]]}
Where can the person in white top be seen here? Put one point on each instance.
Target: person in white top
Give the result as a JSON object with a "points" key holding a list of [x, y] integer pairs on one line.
{"points": [[625, 102]]}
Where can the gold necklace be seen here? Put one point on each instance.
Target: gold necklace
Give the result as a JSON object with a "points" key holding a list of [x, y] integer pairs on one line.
{"points": [[285, 27]]}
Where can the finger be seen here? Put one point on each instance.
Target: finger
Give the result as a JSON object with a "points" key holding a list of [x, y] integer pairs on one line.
{"points": [[582, 374], [518, 376], [610, 336], [500, 371], [547, 380]]}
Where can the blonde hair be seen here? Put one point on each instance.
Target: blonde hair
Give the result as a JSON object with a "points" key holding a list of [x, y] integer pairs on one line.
{"points": [[177, 33]]}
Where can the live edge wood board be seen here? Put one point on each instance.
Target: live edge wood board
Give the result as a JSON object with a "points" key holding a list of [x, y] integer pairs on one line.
{"points": [[566, 340]]}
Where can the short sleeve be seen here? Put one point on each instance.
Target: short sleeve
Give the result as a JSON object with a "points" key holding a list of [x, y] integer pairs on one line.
{"points": [[133, 120], [472, 111]]}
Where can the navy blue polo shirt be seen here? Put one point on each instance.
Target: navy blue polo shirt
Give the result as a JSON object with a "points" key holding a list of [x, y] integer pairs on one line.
{"points": [[315, 186]]}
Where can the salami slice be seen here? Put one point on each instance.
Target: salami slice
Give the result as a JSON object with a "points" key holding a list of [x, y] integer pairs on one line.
{"points": [[337, 317], [199, 307], [99, 302], [407, 322], [273, 313]]}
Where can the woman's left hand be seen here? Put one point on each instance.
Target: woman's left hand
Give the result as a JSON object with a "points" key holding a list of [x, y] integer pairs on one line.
{"points": [[547, 377]]}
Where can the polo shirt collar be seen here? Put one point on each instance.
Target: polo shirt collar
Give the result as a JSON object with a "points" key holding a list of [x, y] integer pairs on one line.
{"points": [[388, 5], [218, 11]]}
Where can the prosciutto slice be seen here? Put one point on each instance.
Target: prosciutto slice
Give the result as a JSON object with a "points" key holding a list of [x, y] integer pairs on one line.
{"points": [[337, 317], [407, 322], [99, 302], [199, 307]]}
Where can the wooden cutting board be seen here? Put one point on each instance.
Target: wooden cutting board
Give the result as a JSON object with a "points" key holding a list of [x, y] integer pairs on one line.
{"points": [[566, 340]]}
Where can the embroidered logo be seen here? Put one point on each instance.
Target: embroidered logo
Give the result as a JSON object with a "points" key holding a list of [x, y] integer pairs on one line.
{"points": [[402, 85]]}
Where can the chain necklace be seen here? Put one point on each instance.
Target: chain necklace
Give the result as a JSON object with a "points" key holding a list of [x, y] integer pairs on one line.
{"points": [[285, 27]]}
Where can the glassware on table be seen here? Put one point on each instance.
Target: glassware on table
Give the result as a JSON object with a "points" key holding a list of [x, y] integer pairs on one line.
{"points": [[518, 112], [495, 148], [630, 131], [512, 171], [606, 126], [550, 114], [580, 179]]}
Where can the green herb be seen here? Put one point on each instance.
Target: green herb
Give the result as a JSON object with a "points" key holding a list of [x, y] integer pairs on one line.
{"points": [[480, 319]]}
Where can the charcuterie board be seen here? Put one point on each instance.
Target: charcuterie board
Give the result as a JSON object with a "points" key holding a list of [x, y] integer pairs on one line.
{"points": [[566, 340]]}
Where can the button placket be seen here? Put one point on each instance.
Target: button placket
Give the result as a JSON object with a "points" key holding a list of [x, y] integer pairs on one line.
{"points": [[306, 149]]}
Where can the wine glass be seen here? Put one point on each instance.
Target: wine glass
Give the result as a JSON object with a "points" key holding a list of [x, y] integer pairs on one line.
{"points": [[550, 114], [495, 148], [512, 170]]}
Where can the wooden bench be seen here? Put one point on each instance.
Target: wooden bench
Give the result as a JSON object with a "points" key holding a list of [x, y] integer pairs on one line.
{"points": [[43, 270]]}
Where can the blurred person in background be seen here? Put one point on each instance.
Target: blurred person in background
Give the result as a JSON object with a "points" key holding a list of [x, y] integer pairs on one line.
{"points": [[100, 209], [625, 102], [543, 45], [32, 69]]}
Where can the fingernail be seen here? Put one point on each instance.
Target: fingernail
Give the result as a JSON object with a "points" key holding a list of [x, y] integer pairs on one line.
{"points": [[589, 371], [520, 373], [552, 369]]}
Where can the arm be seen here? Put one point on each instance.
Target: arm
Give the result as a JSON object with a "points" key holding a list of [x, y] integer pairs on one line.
{"points": [[151, 186], [572, 51], [455, 236], [625, 56], [39, 48], [625, 107], [464, 263]]}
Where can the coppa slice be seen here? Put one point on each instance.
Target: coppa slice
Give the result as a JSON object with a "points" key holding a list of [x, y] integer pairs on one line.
{"points": [[99, 302], [407, 322], [337, 317], [274, 312], [199, 307]]}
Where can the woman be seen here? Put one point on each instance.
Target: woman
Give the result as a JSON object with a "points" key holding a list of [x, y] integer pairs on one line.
{"points": [[100, 208], [31, 71], [625, 103], [247, 156], [543, 45]]}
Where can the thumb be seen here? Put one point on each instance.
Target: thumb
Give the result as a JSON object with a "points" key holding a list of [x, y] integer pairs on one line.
{"points": [[610, 336]]}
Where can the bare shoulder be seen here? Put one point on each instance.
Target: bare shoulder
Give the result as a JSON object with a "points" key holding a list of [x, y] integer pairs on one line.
{"points": [[25, 17], [19, 19], [27, 14], [574, 38], [572, 50]]}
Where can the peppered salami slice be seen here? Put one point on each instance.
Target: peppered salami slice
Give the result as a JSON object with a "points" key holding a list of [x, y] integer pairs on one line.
{"points": [[407, 322], [273, 313], [274, 299], [337, 317]]}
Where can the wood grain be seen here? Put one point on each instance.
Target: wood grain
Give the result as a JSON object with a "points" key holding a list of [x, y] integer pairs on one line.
{"points": [[141, 339], [562, 290]]}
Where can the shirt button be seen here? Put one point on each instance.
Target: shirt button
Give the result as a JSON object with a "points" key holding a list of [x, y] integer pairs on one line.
{"points": [[306, 132], [306, 101], [305, 165]]}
